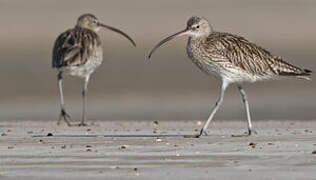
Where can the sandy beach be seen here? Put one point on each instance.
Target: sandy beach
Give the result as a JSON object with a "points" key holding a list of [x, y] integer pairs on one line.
{"points": [[280, 150], [127, 94]]}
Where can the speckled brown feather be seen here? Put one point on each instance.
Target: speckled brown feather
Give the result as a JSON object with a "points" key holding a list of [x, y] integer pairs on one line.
{"points": [[237, 51], [74, 47]]}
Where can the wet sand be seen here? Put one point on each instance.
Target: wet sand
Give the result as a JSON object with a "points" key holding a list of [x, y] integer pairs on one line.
{"points": [[280, 150]]}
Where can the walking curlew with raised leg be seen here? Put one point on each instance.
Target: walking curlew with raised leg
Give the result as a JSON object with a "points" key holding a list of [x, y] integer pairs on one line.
{"points": [[232, 59], [78, 52]]}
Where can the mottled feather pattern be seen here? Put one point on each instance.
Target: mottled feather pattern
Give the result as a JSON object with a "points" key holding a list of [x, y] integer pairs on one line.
{"points": [[286, 69], [226, 53], [74, 47]]}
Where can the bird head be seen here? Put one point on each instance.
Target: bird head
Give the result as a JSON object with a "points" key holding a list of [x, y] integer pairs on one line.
{"points": [[89, 21], [197, 27]]}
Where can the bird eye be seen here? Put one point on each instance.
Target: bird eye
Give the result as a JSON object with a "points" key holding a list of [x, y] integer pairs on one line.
{"points": [[197, 26]]}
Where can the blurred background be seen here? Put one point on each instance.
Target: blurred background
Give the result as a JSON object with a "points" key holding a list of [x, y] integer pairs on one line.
{"points": [[169, 87]]}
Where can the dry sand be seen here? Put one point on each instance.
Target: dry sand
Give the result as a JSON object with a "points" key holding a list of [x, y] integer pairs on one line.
{"points": [[280, 150]]}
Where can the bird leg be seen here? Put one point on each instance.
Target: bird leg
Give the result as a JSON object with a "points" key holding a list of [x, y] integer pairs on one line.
{"points": [[215, 108], [246, 104], [63, 114], [84, 99]]}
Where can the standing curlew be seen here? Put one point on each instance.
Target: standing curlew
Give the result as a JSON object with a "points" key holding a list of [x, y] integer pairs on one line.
{"points": [[78, 52], [232, 59]]}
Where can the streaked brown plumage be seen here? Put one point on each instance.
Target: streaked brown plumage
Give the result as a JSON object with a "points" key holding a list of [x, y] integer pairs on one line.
{"points": [[73, 47], [78, 52], [230, 51], [232, 59]]}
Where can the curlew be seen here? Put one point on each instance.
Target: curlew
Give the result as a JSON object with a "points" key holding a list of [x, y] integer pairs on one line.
{"points": [[78, 52], [232, 59]]}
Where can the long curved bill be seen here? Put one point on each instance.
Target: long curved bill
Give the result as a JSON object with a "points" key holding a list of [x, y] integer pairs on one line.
{"points": [[181, 33], [118, 31]]}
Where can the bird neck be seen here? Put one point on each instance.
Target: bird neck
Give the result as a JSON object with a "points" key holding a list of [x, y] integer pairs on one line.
{"points": [[197, 40], [84, 27]]}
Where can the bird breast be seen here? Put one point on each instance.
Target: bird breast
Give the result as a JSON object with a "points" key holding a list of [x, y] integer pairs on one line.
{"points": [[94, 60], [200, 59]]}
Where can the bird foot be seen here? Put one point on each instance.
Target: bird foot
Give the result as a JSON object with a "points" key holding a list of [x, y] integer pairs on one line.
{"points": [[65, 116], [246, 134], [202, 133]]}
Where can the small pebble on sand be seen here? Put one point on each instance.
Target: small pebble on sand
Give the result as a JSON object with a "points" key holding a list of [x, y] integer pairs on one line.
{"points": [[252, 144], [123, 147]]}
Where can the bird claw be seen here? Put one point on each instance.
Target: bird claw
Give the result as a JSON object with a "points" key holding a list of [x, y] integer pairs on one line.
{"points": [[202, 133], [65, 116], [250, 132]]}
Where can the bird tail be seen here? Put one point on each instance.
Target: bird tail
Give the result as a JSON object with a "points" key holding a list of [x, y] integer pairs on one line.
{"points": [[304, 74], [283, 68]]}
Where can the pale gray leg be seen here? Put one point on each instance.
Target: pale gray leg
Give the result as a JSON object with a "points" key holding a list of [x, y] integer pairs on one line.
{"points": [[215, 108], [246, 104], [84, 98], [63, 114]]}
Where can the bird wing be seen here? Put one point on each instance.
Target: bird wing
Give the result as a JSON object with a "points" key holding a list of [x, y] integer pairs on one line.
{"points": [[283, 68], [239, 52], [73, 47]]}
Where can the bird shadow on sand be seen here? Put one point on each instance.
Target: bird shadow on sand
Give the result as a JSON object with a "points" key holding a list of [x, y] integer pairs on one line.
{"points": [[134, 136], [119, 136]]}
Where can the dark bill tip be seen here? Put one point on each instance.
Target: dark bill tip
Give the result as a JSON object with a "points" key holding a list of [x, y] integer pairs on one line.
{"points": [[118, 31], [181, 33]]}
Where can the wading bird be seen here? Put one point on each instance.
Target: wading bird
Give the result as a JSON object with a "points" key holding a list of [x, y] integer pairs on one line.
{"points": [[232, 59], [78, 52]]}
